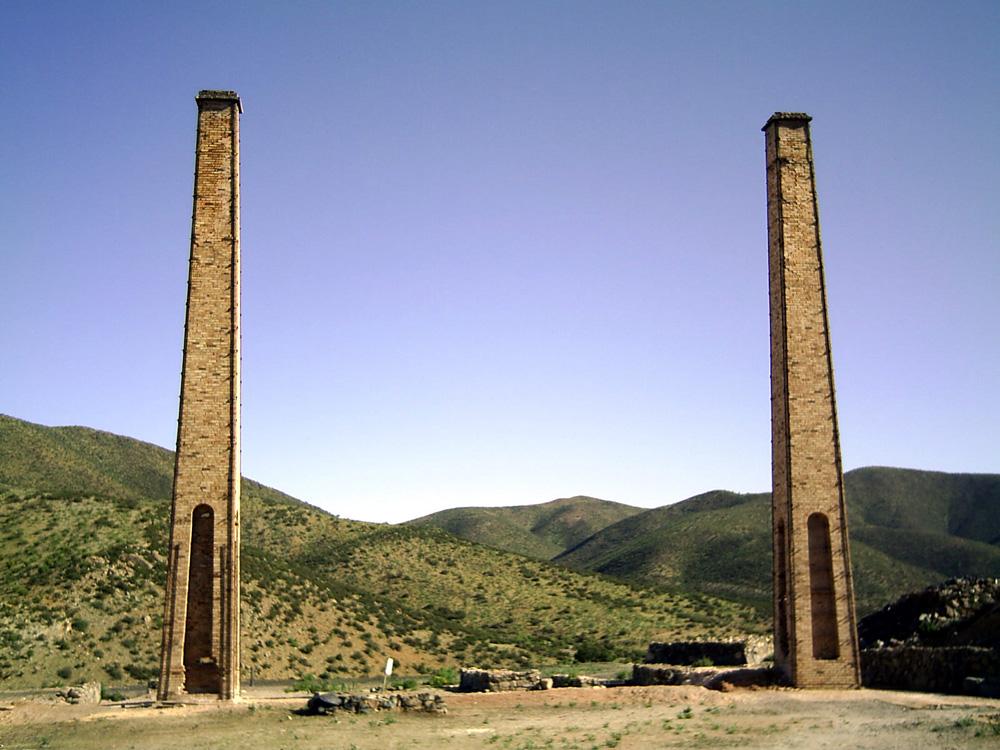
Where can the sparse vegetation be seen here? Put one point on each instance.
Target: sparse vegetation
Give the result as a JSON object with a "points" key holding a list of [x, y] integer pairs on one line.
{"points": [[443, 677], [108, 694], [83, 530], [321, 595], [312, 684]]}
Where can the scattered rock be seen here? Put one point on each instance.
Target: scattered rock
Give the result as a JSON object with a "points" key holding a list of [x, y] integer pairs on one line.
{"points": [[321, 703], [328, 703]]}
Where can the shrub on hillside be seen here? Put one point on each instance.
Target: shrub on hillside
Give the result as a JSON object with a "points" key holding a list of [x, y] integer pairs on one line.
{"points": [[139, 672], [592, 651], [444, 676], [310, 683]]}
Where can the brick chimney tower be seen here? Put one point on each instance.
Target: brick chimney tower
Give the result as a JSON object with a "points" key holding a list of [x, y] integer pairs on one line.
{"points": [[815, 626], [201, 620]]}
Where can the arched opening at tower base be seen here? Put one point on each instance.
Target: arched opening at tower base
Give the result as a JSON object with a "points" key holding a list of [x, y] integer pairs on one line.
{"points": [[201, 670], [781, 611], [823, 601]]}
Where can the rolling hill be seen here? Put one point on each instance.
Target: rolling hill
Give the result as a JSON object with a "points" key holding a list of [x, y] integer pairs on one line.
{"points": [[83, 526], [83, 530], [543, 531], [909, 529]]}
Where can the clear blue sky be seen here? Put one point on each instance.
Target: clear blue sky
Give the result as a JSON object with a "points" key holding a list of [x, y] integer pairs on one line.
{"points": [[502, 252]]}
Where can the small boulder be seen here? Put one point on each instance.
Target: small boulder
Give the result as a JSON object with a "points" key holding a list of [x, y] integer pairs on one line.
{"points": [[324, 703]]}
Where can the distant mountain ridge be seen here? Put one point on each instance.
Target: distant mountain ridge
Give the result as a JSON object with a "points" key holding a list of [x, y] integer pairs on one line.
{"points": [[544, 530], [908, 529]]}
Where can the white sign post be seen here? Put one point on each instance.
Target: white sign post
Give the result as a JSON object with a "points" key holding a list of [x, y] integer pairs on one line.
{"points": [[388, 671]]}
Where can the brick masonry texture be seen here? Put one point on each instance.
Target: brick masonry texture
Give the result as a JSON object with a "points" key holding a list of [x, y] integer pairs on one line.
{"points": [[200, 648], [815, 622]]}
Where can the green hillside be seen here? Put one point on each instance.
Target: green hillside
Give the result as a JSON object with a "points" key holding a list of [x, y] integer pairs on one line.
{"points": [[83, 531], [961, 505], [909, 529], [80, 461], [543, 531]]}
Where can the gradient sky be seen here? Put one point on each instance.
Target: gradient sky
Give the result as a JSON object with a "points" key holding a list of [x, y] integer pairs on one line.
{"points": [[502, 252]]}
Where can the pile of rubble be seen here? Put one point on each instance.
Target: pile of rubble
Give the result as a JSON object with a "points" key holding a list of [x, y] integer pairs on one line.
{"points": [[363, 703], [943, 639], [959, 612], [504, 680]]}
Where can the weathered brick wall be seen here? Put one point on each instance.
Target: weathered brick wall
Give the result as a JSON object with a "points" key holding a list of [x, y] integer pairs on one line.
{"points": [[500, 680], [208, 448], [807, 473], [935, 670]]}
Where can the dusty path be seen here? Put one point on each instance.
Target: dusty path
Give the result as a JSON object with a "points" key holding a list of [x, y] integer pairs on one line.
{"points": [[572, 718]]}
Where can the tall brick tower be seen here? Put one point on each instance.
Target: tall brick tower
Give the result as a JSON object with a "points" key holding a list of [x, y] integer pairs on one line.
{"points": [[815, 627], [201, 627]]}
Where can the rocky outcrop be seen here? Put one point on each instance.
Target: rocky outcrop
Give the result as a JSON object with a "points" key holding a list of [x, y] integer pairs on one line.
{"points": [[959, 612], [500, 680], [363, 703], [89, 692]]}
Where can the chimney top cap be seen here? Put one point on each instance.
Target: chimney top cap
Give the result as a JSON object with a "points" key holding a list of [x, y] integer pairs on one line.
{"points": [[786, 117], [220, 95]]}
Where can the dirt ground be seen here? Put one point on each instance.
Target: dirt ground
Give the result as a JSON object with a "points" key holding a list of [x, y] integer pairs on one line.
{"points": [[578, 718]]}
